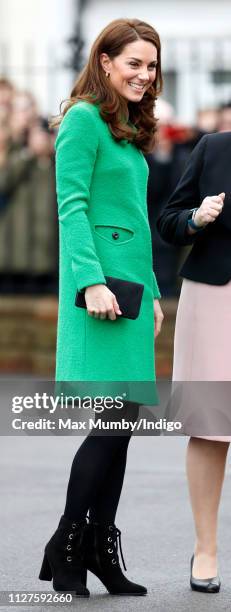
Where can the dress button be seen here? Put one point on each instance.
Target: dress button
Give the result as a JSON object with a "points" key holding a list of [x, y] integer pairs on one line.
{"points": [[115, 235]]}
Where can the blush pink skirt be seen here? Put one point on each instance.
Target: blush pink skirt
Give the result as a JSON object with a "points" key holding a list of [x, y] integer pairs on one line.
{"points": [[202, 350]]}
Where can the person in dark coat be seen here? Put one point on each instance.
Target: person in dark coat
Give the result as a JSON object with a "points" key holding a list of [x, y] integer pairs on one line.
{"points": [[199, 213]]}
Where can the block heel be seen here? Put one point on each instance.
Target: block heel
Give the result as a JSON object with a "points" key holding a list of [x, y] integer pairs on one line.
{"points": [[45, 572], [83, 576], [63, 558]]}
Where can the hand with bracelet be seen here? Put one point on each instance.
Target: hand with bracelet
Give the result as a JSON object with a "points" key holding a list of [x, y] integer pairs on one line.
{"points": [[208, 212]]}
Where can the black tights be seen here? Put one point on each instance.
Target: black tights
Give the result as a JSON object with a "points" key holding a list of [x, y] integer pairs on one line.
{"points": [[97, 472]]}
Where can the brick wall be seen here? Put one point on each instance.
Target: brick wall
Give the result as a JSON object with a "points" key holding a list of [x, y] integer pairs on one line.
{"points": [[28, 336]]}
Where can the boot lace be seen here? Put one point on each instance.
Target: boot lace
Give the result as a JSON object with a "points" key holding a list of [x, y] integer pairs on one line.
{"points": [[74, 542], [115, 537]]}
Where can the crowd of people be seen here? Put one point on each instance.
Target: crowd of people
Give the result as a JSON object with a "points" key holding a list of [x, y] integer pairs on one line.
{"points": [[28, 211], [28, 208]]}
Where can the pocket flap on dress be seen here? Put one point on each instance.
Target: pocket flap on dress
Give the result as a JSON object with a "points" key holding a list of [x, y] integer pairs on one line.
{"points": [[114, 233]]}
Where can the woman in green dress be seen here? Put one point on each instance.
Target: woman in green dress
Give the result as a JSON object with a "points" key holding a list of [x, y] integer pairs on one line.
{"points": [[106, 126]]}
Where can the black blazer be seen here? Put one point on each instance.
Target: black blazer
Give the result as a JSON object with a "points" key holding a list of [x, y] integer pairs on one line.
{"points": [[208, 172]]}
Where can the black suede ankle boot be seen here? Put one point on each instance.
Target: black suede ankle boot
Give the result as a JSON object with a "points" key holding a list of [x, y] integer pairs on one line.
{"points": [[101, 558], [63, 559]]}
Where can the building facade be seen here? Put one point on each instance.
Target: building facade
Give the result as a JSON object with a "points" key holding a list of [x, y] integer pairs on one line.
{"points": [[196, 46]]}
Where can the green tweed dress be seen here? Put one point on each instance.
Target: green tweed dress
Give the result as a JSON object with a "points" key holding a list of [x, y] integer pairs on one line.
{"points": [[101, 191]]}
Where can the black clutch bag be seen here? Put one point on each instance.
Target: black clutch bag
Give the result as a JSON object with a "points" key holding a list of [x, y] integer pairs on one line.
{"points": [[128, 295]]}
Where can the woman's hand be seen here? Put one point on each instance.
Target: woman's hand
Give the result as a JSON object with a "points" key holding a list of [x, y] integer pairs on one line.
{"points": [[158, 317], [101, 302], [209, 210]]}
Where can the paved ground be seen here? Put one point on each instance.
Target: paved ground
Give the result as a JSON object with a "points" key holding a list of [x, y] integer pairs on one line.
{"points": [[154, 516]]}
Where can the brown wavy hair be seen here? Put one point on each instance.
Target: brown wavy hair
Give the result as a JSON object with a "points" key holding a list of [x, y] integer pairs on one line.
{"points": [[93, 86]]}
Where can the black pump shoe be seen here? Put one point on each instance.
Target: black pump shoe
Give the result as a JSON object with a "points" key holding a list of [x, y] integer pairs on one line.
{"points": [[205, 585], [101, 558], [63, 559]]}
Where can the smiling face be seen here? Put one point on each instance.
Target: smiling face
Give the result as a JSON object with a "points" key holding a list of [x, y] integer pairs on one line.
{"points": [[133, 71]]}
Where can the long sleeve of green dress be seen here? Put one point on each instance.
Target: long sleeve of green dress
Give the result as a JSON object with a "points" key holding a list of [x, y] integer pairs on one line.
{"points": [[76, 150]]}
